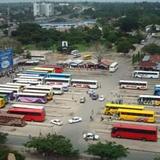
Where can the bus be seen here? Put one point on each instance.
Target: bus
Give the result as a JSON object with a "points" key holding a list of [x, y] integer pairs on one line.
{"points": [[113, 67], [112, 108], [149, 100], [29, 75], [38, 78], [59, 75], [21, 85], [58, 81], [5, 97], [128, 84], [8, 93], [87, 56], [10, 86], [136, 115], [27, 106], [30, 114], [40, 58], [56, 68], [145, 74], [157, 90], [135, 131], [49, 95], [34, 72], [14, 90], [31, 97], [57, 89], [28, 82], [93, 84], [49, 70]]}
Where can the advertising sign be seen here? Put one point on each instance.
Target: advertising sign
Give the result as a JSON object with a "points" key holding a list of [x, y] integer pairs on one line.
{"points": [[6, 59]]}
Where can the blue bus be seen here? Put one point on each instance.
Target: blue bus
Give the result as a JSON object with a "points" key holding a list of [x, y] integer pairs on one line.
{"points": [[59, 75], [157, 90]]}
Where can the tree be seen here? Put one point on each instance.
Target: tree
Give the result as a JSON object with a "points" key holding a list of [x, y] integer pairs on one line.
{"points": [[151, 48], [108, 150], [157, 158], [3, 138], [124, 46], [56, 145]]}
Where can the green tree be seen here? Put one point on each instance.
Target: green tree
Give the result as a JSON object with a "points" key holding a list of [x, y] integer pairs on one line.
{"points": [[124, 46], [3, 138], [151, 48], [157, 158], [52, 145], [108, 150]]}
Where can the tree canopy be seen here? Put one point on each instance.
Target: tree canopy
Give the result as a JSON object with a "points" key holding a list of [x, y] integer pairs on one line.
{"points": [[151, 48], [108, 150], [52, 145]]}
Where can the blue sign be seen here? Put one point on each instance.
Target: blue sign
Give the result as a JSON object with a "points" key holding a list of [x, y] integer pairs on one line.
{"points": [[6, 59]]}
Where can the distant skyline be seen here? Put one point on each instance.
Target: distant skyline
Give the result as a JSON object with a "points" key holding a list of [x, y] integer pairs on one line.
{"points": [[13, 1]]}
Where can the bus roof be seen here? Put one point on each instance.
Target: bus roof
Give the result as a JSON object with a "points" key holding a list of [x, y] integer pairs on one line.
{"points": [[136, 111], [124, 105], [25, 80], [129, 81], [56, 78], [31, 94], [43, 69], [148, 96], [113, 64], [25, 110], [27, 74], [59, 74], [9, 89], [5, 91], [8, 86], [17, 84], [145, 71], [34, 71], [51, 86], [39, 87], [27, 106], [31, 77], [83, 80], [135, 126], [34, 91]]}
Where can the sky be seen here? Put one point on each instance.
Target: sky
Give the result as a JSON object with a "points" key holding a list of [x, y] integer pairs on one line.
{"points": [[10, 1]]}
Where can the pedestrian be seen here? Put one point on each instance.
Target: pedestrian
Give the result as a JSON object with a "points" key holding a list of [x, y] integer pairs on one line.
{"points": [[91, 118], [92, 112], [102, 118]]}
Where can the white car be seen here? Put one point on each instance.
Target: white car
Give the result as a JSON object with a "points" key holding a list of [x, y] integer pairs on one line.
{"points": [[75, 120], [101, 98], [90, 136], [57, 122]]}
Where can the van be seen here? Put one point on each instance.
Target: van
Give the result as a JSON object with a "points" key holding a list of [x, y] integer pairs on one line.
{"points": [[113, 67], [87, 56]]}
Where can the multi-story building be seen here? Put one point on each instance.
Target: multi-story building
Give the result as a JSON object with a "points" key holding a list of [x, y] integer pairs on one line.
{"points": [[43, 8]]}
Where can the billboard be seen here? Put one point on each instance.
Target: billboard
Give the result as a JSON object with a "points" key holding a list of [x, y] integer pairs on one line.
{"points": [[6, 59]]}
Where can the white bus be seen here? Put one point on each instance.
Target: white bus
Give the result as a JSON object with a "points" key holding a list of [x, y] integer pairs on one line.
{"points": [[40, 58], [57, 89], [93, 84], [10, 86], [26, 106], [113, 67], [17, 84], [38, 78], [128, 84], [25, 80], [58, 81], [149, 100], [145, 74], [28, 75]]}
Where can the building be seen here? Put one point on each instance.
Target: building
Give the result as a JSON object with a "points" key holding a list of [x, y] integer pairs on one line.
{"points": [[43, 8]]}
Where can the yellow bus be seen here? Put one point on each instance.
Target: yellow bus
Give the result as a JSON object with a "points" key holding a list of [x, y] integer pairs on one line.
{"points": [[2, 102], [136, 115], [49, 70], [87, 56], [111, 108]]}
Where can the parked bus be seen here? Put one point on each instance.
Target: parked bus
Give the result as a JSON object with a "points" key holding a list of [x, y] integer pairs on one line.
{"points": [[128, 84], [27, 106], [40, 58], [145, 74], [29, 75], [136, 115], [29, 82], [58, 81], [31, 97], [149, 100], [14, 90], [38, 78], [135, 131], [112, 108], [56, 68], [59, 75], [30, 114], [33, 72], [57, 89], [21, 85], [10, 86], [8, 93], [157, 90], [87, 56], [113, 67], [93, 84], [39, 91], [49, 70]]}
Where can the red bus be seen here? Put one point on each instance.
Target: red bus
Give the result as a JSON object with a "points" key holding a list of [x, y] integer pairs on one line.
{"points": [[57, 69], [30, 114], [134, 131]]}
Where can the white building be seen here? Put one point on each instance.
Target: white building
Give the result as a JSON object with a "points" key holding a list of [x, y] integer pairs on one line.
{"points": [[43, 8]]}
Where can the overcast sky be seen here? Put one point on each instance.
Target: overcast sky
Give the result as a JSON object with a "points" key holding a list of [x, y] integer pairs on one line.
{"points": [[6, 1]]}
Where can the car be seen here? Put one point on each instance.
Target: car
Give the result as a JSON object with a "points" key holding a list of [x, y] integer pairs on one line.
{"points": [[91, 91], [82, 100], [101, 98], [90, 136], [94, 96], [76, 55], [57, 122], [75, 120]]}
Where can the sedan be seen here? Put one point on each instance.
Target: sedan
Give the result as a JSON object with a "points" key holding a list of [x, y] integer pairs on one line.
{"points": [[101, 98], [90, 136], [57, 122], [75, 120]]}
